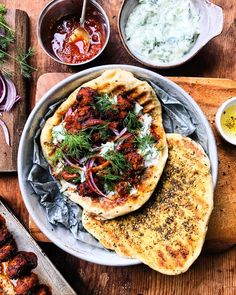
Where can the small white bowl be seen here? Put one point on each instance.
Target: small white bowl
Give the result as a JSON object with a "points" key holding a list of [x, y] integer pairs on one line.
{"points": [[211, 25], [223, 107]]}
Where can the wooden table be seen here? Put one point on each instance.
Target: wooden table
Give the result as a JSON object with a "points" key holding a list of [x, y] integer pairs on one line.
{"points": [[211, 274]]}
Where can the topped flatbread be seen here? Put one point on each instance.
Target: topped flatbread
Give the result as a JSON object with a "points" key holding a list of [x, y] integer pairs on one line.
{"points": [[168, 232], [106, 144]]}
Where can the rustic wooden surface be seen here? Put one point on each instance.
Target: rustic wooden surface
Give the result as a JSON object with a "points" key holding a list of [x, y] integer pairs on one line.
{"points": [[15, 119], [211, 274]]}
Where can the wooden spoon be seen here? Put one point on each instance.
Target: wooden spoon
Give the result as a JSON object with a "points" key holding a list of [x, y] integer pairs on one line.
{"points": [[80, 33]]}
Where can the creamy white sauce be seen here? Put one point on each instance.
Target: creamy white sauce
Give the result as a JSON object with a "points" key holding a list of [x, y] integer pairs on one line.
{"points": [[147, 122], [106, 147], [150, 155], [162, 31], [137, 108], [59, 167], [133, 191], [58, 133], [82, 175], [113, 99]]}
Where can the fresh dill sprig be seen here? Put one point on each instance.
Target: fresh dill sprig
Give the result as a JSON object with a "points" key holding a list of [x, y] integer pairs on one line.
{"points": [[74, 144], [26, 69], [109, 178], [142, 143], [118, 161], [103, 103], [3, 9], [102, 129], [7, 37], [131, 122]]}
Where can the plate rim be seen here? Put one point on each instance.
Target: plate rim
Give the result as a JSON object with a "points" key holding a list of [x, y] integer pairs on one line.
{"points": [[74, 77]]}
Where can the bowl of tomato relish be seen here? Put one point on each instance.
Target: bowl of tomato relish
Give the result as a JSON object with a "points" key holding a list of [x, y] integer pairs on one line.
{"points": [[58, 22]]}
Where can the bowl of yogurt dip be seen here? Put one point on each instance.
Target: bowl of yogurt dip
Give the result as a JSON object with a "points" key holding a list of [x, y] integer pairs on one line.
{"points": [[167, 33]]}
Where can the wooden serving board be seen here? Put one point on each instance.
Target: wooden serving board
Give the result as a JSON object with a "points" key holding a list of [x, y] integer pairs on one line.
{"points": [[209, 94], [18, 20]]}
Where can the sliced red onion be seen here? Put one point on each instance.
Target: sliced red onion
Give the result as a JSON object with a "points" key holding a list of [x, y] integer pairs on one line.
{"points": [[72, 164], [92, 122], [69, 112], [3, 88], [2, 32], [121, 133], [91, 181], [95, 186], [10, 97], [5, 131], [115, 131]]}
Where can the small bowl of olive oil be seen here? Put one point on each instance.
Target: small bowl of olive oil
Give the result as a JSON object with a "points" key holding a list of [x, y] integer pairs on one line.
{"points": [[226, 120]]}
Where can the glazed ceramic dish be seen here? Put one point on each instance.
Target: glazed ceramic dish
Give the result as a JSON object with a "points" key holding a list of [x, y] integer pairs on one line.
{"points": [[211, 25], [60, 235], [229, 137]]}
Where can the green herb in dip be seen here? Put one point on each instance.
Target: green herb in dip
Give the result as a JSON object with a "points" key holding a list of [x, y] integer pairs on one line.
{"points": [[162, 31]]}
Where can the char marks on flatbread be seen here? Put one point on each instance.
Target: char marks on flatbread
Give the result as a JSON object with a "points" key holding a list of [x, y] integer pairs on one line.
{"points": [[113, 82], [168, 232]]}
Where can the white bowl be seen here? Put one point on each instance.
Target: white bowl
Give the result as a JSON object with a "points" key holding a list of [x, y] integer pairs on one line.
{"points": [[59, 235], [211, 25], [223, 107]]}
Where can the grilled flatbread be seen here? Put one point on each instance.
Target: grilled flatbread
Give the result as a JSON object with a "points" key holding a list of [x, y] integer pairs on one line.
{"points": [[168, 232], [142, 152]]}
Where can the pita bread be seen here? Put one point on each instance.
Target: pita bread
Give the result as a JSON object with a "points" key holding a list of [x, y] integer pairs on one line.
{"points": [[113, 82], [168, 232]]}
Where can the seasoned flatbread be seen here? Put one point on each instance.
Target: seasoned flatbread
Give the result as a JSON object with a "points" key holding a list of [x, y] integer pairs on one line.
{"points": [[168, 232], [113, 204]]}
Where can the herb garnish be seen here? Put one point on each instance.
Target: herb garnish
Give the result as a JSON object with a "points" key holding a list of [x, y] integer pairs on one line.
{"points": [[103, 103], [118, 161], [7, 37], [131, 122], [57, 156], [102, 129], [74, 144], [109, 178], [144, 142]]}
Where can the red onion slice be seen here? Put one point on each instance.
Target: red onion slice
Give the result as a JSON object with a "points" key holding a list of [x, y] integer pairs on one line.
{"points": [[95, 186], [72, 164], [3, 88], [5, 131], [121, 133], [91, 181], [115, 131], [10, 97]]}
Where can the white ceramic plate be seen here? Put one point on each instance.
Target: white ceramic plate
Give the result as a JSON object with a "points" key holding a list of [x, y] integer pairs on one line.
{"points": [[57, 234]]}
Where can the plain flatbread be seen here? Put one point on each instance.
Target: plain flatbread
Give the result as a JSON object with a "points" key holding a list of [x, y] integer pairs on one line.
{"points": [[168, 232], [113, 82]]}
